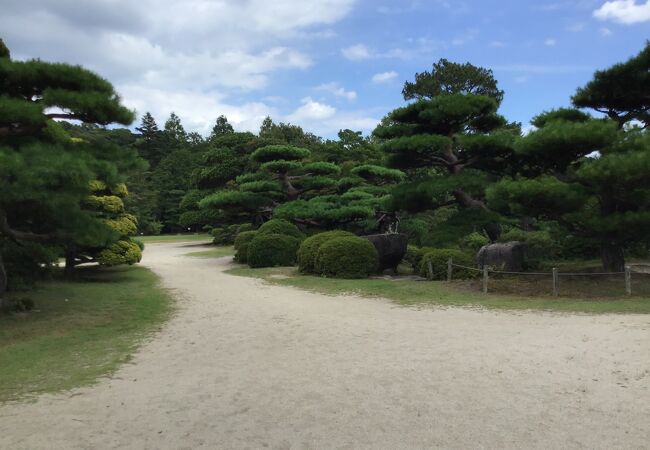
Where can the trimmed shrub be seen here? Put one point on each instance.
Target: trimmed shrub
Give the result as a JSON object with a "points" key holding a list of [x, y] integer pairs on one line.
{"points": [[439, 258], [280, 226], [139, 243], [241, 245], [414, 255], [123, 251], [346, 257], [308, 250], [474, 241], [269, 250], [224, 235]]}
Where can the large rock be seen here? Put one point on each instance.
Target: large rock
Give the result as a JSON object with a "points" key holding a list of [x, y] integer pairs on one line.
{"points": [[391, 248], [508, 256]]}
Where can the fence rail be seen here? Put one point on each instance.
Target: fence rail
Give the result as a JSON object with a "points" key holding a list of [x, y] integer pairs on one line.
{"points": [[555, 275]]}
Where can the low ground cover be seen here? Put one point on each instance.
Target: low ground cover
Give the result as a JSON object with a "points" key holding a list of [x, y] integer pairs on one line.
{"points": [[467, 293], [79, 330]]}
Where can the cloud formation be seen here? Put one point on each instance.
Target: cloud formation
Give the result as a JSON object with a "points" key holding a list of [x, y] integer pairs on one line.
{"points": [[384, 77], [627, 12], [195, 57]]}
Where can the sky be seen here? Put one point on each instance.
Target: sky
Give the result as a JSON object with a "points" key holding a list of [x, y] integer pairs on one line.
{"points": [[322, 64]]}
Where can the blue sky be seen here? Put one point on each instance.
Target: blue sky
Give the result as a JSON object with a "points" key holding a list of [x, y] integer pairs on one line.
{"points": [[323, 64]]}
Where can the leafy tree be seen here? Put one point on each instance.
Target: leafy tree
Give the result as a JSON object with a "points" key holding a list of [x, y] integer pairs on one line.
{"points": [[452, 78], [286, 133], [288, 185], [221, 127], [174, 133], [451, 140], [622, 92], [44, 174]]}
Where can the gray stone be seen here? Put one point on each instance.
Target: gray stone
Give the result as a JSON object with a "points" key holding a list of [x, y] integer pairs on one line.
{"points": [[507, 256], [391, 248]]}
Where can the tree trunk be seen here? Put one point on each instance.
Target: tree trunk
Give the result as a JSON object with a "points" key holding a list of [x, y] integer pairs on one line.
{"points": [[3, 283], [612, 257], [70, 255], [493, 230]]}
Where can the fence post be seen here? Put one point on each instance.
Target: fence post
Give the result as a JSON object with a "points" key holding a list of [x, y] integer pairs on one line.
{"points": [[556, 280], [450, 268], [628, 280], [430, 267], [485, 279]]}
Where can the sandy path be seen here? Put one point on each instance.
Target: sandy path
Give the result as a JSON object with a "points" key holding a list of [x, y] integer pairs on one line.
{"points": [[248, 365]]}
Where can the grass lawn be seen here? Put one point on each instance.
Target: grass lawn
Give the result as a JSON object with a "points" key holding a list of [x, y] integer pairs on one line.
{"points": [[174, 238], [462, 293], [216, 252], [79, 331]]}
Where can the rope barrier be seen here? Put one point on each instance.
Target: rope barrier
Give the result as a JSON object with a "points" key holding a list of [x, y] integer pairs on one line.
{"points": [[555, 275]]}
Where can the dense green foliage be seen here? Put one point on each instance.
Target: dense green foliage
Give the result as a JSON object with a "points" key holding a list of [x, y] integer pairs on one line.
{"points": [[241, 245], [308, 251], [269, 250], [279, 226], [346, 257], [439, 259]]}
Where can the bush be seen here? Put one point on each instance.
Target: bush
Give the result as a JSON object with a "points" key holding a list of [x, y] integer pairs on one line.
{"points": [[241, 245], [473, 242], [280, 226], [347, 257], [139, 243], [224, 235], [439, 258], [308, 250], [414, 255], [269, 250], [540, 245]]}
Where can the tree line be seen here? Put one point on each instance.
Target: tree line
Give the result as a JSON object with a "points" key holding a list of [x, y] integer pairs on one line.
{"points": [[447, 169]]}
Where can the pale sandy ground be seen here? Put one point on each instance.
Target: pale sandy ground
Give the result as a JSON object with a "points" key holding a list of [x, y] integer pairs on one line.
{"points": [[248, 365]]}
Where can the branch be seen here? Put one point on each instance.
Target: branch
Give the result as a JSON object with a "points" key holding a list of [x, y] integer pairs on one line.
{"points": [[64, 116], [21, 235]]}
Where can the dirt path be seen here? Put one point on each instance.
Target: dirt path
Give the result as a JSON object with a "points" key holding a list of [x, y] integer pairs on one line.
{"points": [[248, 365]]}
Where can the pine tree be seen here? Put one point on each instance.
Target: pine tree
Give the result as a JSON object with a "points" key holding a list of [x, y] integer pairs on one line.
{"points": [[451, 139], [45, 175], [221, 127]]}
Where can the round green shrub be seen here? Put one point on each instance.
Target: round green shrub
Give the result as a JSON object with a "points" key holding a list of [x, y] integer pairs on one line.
{"points": [[439, 258], [269, 250], [347, 257], [474, 241], [308, 250], [280, 226], [414, 255], [241, 245]]}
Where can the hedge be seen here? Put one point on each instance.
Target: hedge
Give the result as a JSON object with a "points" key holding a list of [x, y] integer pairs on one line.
{"points": [[308, 250], [346, 257], [439, 258], [241, 245], [280, 226], [269, 250]]}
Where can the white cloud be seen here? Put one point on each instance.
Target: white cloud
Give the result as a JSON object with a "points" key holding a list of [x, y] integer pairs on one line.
{"points": [[337, 90], [195, 57], [605, 32], [550, 42], [384, 77], [311, 110], [357, 52], [624, 11]]}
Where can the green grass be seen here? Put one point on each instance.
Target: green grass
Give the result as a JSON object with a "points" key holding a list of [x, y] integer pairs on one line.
{"points": [[216, 252], [464, 293], [79, 331], [174, 238]]}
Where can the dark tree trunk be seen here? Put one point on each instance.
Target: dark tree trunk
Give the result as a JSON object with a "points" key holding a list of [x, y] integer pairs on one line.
{"points": [[493, 230], [612, 257], [70, 260], [3, 283]]}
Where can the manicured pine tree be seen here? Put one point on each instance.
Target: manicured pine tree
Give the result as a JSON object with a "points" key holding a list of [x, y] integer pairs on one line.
{"points": [[44, 174], [591, 175], [451, 140]]}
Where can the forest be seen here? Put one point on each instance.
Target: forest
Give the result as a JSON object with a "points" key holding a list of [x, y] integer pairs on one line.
{"points": [[446, 169]]}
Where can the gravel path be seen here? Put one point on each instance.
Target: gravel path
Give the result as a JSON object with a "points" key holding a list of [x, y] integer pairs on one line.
{"points": [[247, 365]]}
